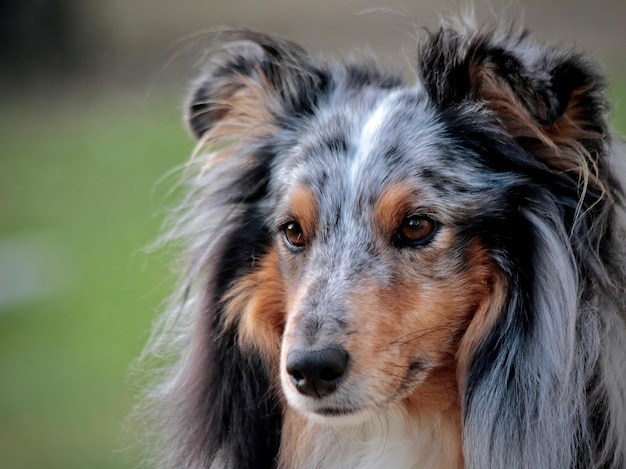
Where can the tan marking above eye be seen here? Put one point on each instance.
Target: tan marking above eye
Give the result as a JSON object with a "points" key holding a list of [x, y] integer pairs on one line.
{"points": [[299, 216]]}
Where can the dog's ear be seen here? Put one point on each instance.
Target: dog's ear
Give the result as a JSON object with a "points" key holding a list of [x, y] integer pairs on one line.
{"points": [[550, 101], [254, 80]]}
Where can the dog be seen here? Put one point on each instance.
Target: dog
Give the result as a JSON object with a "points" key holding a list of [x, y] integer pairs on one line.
{"points": [[381, 274]]}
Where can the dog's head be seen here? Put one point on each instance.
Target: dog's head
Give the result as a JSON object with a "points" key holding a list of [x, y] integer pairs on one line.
{"points": [[389, 244]]}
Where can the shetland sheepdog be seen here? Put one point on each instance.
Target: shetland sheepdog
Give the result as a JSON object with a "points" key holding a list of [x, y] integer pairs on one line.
{"points": [[381, 274]]}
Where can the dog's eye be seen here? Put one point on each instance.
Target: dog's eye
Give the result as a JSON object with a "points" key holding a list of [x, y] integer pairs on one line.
{"points": [[416, 230], [293, 234]]}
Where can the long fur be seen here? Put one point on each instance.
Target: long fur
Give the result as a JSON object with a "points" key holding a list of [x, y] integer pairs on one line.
{"points": [[500, 343]]}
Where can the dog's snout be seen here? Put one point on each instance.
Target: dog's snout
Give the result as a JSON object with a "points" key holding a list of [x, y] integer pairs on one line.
{"points": [[316, 372]]}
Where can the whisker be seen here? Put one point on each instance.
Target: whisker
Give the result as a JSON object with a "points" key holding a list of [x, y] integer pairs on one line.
{"points": [[416, 335]]}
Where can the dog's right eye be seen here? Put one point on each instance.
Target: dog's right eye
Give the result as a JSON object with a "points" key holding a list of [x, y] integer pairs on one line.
{"points": [[292, 232]]}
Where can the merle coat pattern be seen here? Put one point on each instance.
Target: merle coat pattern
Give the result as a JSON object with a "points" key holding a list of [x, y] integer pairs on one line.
{"points": [[459, 240]]}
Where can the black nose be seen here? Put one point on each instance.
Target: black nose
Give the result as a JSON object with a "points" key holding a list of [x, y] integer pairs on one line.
{"points": [[316, 372]]}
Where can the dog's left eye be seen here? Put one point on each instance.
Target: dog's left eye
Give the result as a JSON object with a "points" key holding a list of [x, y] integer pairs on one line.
{"points": [[416, 230]]}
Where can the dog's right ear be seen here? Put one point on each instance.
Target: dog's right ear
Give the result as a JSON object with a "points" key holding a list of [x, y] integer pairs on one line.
{"points": [[254, 80]]}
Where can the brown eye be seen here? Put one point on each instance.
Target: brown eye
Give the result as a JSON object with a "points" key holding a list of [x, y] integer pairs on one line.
{"points": [[293, 234], [416, 230]]}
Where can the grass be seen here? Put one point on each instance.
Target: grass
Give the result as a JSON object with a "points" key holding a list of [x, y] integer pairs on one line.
{"points": [[83, 185], [79, 194]]}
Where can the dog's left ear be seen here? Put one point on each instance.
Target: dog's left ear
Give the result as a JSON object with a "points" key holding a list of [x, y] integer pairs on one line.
{"points": [[253, 81], [550, 101]]}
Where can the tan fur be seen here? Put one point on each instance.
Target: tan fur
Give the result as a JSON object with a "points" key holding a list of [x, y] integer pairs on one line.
{"points": [[241, 114], [257, 304], [393, 204], [303, 208], [494, 298]]}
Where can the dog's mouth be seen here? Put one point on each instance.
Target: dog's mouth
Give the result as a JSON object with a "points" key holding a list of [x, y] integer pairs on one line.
{"points": [[338, 415], [336, 411]]}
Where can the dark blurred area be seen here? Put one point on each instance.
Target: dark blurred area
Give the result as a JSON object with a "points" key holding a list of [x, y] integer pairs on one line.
{"points": [[120, 42], [40, 37]]}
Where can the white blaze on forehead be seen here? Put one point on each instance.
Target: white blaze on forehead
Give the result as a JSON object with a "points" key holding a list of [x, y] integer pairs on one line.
{"points": [[369, 136]]}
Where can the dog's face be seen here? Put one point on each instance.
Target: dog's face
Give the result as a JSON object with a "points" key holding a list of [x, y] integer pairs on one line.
{"points": [[369, 208], [379, 225]]}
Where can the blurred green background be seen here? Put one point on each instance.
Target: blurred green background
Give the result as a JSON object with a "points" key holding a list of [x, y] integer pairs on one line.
{"points": [[90, 130]]}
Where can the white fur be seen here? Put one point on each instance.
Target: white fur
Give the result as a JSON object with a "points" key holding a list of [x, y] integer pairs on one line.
{"points": [[387, 440], [369, 136]]}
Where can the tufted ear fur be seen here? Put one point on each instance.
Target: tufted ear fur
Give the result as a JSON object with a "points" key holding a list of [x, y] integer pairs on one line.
{"points": [[254, 81], [549, 101]]}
